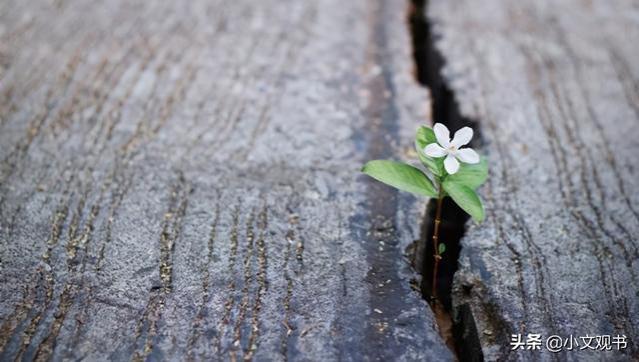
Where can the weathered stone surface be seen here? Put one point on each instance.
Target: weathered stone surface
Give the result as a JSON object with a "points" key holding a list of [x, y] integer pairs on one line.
{"points": [[179, 180], [554, 86]]}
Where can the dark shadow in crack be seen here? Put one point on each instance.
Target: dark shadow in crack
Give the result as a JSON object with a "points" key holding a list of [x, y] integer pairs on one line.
{"points": [[459, 330]]}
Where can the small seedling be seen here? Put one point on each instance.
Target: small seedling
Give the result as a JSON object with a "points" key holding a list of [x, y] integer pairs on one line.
{"points": [[451, 171]]}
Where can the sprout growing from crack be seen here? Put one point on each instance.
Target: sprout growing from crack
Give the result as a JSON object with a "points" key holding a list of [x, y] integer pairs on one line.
{"points": [[453, 171]]}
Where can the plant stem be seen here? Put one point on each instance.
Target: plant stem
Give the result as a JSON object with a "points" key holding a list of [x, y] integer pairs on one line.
{"points": [[436, 255]]}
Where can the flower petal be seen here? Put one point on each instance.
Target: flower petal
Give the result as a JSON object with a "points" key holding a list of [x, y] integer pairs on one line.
{"points": [[451, 164], [462, 137], [467, 155], [442, 134], [434, 150]]}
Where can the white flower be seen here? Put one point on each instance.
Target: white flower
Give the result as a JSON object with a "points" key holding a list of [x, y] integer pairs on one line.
{"points": [[452, 148]]}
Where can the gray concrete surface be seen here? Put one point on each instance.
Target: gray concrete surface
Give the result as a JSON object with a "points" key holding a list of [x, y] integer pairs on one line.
{"points": [[554, 87], [179, 181]]}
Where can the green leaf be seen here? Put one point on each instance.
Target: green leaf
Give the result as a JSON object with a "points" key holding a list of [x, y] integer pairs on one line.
{"points": [[466, 198], [426, 136], [471, 175], [442, 248], [400, 175]]}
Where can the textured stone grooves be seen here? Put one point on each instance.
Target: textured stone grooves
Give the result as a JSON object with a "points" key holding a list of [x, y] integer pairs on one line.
{"points": [[127, 150], [198, 321], [231, 288], [429, 63], [291, 239], [147, 327], [43, 279], [381, 201]]}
